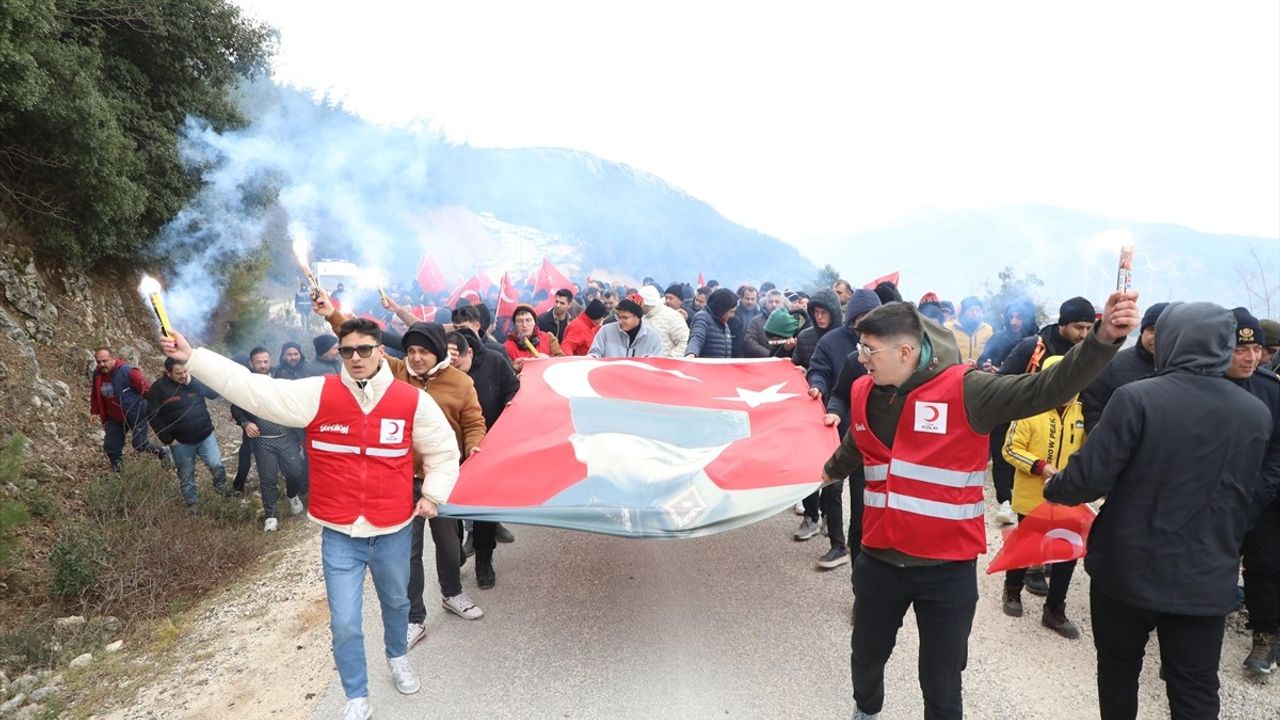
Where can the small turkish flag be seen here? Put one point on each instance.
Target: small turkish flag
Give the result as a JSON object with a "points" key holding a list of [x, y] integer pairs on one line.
{"points": [[1051, 533], [647, 447], [891, 278]]}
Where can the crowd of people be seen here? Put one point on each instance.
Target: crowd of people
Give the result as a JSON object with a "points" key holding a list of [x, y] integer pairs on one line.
{"points": [[1180, 433]]}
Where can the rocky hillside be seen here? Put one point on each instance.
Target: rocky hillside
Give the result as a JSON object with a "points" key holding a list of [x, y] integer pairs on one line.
{"points": [[50, 320]]}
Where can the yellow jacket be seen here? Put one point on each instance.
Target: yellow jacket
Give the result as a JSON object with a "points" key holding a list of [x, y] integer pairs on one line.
{"points": [[971, 346], [1053, 436]]}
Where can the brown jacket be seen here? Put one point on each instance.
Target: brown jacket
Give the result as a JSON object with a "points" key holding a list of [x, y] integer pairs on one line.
{"points": [[452, 390]]}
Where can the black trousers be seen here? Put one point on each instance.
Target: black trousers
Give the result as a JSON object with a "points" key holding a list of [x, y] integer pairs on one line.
{"points": [[446, 535], [944, 597], [1001, 471], [484, 537], [1261, 550], [276, 457], [830, 502], [1190, 648], [244, 461]]}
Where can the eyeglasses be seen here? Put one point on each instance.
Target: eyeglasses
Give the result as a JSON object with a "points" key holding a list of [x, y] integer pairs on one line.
{"points": [[866, 352], [346, 351]]}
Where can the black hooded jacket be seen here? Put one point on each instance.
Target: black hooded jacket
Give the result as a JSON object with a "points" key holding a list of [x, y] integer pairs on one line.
{"points": [[1264, 385], [1003, 342], [1177, 457], [290, 372], [496, 383], [807, 340]]}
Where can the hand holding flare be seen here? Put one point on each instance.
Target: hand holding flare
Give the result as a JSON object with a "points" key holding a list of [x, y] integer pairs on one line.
{"points": [[151, 288]]}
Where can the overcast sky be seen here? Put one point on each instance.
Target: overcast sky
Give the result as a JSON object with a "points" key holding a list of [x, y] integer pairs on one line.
{"points": [[811, 121]]}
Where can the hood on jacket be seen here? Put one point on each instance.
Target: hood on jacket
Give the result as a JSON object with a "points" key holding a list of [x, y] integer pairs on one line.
{"points": [[722, 301], [827, 300], [477, 346], [285, 348], [861, 302], [1027, 310], [1195, 337]]}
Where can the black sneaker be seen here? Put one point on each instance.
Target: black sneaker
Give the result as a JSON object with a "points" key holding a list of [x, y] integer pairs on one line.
{"points": [[485, 578], [1263, 655], [1012, 604], [503, 535], [1056, 620], [1036, 584], [834, 558]]}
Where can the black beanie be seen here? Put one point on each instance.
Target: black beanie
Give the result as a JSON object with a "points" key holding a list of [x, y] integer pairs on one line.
{"points": [[1077, 309], [427, 335], [1151, 315], [675, 289], [596, 309], [1248, 329], [721, 301], [888, 292], [324, 343]]}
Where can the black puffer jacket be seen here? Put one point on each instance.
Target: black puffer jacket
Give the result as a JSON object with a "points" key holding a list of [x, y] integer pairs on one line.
{"points": [[1177, 457], [807, 340], [178, 412]]}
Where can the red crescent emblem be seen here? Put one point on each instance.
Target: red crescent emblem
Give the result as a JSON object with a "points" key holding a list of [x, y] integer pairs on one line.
{"points": [[935, 413]]}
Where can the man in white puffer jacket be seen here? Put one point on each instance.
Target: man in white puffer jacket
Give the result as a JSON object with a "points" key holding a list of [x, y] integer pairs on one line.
{"points": [[364, 432], [668, 323]]}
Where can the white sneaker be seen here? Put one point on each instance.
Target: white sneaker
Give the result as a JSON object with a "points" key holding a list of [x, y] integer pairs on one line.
{"points": [[1005, 514], [406, 679], [462, 606], [295, 505], [270, 525], [357, 709], [798, 508], [416, 633]]}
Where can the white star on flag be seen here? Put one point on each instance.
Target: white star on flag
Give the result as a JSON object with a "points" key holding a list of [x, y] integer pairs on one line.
{"points": [[756, 398]]}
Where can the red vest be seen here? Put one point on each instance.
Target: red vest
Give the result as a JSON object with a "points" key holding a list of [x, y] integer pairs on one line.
{"points": [[362, 464], [924, 496], [518, 349]]}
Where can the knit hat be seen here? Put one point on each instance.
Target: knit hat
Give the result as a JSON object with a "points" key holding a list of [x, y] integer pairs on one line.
{"points": [[426, 335], [675, 289], [522, 307], [969, 302], [782, 323], [649, 295], [1270, 332], [721, 301], [324, 343], [888, 292], [861, 302], [929, 297], [1077, 309], [596, 310], [1248, 329], [291, 344], [1151, 315], [627, 304]]}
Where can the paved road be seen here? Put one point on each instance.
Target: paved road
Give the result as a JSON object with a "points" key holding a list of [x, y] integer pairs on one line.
{"points": [[738, 625]]}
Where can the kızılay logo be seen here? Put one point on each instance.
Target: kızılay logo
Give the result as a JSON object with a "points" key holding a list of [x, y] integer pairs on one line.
{"points": [[335, 428]]}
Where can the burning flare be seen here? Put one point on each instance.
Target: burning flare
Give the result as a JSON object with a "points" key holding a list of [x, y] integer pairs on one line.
{"points": [[300, 247], [150, 287]]}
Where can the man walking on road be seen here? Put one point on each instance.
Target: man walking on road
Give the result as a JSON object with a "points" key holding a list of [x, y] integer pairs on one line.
{"points": [[918, 424], [1177, 457], [364, 429]]}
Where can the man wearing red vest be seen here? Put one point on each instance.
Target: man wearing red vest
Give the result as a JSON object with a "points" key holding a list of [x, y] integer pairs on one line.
{"points": [[363, 428], [918, 427]]}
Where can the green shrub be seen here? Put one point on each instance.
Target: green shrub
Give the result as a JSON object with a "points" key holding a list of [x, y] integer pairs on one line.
{"points": [[12, 515], [78, 557]]}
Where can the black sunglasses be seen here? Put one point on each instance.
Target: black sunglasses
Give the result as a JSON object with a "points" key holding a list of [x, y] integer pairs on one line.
{"points": [[347, 351]]}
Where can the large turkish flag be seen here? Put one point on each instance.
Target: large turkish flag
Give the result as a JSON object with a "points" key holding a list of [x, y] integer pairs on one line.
{"points": [[648, 447]]}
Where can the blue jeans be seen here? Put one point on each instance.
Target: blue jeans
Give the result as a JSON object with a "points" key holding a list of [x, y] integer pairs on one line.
{"points": [[345, 559], [184, 457]]}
